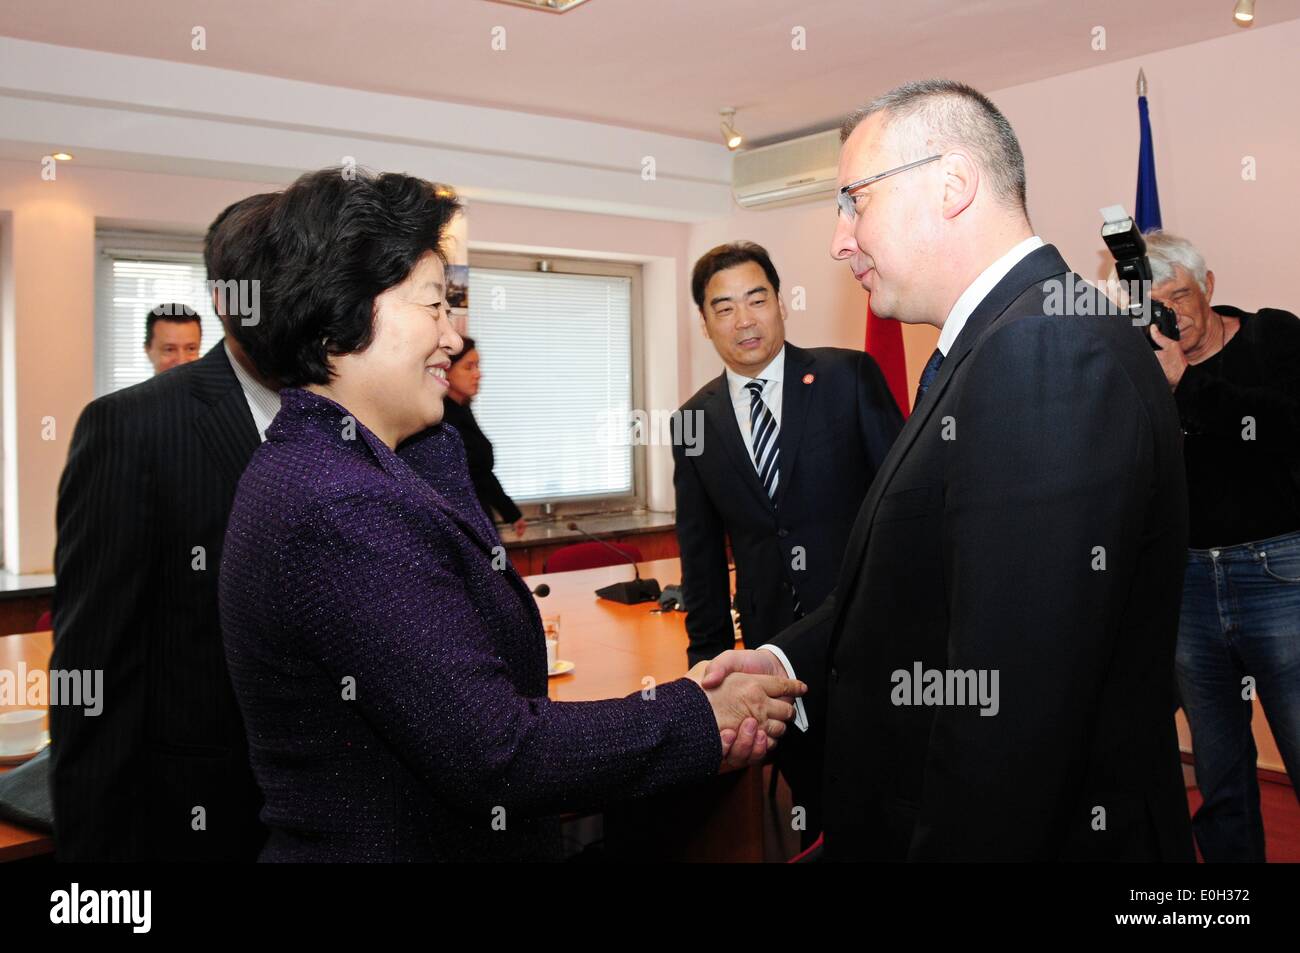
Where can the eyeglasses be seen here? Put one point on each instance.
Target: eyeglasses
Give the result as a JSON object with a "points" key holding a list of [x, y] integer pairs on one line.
{"points": [[845, 201]]}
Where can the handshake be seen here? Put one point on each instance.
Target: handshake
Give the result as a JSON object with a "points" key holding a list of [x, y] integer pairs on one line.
{"points": [[752, 699]]}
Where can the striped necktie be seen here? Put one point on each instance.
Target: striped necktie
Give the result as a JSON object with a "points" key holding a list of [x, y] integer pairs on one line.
{"points": [[763, 433], [762, 439]]}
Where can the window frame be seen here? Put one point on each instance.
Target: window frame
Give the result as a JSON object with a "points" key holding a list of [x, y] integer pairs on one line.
{"points": [[634, 501], [125, 244]]}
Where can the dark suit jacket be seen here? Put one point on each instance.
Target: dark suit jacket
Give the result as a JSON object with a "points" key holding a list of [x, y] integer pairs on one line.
{"points": [[1042, 442], [391, 666], [835, 431], [142, 511]]}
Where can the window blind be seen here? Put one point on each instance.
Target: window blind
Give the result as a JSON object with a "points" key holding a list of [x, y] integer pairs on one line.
{"points": [[556, 353], [130, 286]]}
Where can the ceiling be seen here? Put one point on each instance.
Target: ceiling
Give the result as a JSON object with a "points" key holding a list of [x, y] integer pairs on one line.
{"points": [[660, 65]]}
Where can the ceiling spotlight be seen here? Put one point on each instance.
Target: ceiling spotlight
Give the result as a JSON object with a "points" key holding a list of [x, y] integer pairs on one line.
{"points": [[546, 6], [61, 156], [730, 136], [1244, 11]]}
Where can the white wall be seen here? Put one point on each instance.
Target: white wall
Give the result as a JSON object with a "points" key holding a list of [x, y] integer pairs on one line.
{"points": [[1212, 103]]}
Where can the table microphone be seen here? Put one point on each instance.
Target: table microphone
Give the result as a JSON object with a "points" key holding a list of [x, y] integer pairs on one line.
{"points": [[542, 591], [627, 593]]}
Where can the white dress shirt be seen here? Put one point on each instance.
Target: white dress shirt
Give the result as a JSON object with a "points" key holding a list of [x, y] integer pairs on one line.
{"points": [[965, 305], [262, 401], [979, 289], [771, 394]]}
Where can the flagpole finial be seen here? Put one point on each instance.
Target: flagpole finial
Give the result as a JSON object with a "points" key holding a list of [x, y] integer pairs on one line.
{"points": [[1142, 83]]}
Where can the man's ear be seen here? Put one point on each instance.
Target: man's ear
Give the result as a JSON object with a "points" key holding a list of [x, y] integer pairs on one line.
{"points": [[1209, 286], [704, 326], [961, 180]]}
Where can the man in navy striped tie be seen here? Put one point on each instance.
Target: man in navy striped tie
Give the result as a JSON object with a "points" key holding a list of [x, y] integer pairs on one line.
{"points": [[792, 438]]}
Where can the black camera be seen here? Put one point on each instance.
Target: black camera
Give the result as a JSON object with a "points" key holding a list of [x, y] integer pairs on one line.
{"points": [[1129, 248]]}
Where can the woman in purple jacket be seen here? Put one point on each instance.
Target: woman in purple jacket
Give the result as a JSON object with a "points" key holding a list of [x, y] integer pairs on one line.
{"points": [[388, 660]]}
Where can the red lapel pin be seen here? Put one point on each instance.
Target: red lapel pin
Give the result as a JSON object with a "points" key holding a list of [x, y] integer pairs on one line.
{"points": [[809, 378]]}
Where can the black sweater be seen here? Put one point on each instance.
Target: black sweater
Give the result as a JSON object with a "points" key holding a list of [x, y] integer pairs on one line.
{"points": [[1243, 475], [478, 448]]}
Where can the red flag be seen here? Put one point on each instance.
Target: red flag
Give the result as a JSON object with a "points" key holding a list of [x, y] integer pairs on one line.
{"points": [[885, 345]]}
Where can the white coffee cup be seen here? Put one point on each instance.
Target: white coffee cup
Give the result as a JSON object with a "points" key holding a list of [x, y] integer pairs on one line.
{"points": [[21, 732], [552, 654]]}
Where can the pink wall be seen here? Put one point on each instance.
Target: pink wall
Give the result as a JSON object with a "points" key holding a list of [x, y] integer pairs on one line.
{"points": [[1212, 103], [798, 238], [48, 319], [47, 315]]}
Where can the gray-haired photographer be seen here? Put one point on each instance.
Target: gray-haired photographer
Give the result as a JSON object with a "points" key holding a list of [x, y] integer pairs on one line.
{"points": [[1236, 379]]}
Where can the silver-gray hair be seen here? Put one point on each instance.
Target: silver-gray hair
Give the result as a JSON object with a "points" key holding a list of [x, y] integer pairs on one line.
{"points": [[1167, 251], [936, 115]]}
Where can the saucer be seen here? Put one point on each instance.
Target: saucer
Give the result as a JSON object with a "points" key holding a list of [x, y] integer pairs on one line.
{"points": [[561, 668], [9, 760]]}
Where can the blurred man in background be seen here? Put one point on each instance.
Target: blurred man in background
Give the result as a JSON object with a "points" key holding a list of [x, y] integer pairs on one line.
{"points": [[172, 333]]}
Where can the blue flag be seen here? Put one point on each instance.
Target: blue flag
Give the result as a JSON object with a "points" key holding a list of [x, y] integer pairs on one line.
{"points": [[1147, 214]]}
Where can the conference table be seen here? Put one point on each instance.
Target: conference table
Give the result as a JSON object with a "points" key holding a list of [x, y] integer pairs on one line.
{"points": [[28, 651], [616, 650]]}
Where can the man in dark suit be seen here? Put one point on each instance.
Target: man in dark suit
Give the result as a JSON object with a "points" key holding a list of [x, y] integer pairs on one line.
{"points": [[162, 772], [791, 439], [993, 667]]}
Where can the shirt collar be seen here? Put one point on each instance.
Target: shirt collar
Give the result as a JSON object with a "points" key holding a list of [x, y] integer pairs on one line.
{"points": [[255, 392], [772, 373], [979, 289]]}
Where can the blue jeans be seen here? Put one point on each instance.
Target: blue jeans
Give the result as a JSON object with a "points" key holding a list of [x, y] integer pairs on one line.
{"points": [[1240, 618]]}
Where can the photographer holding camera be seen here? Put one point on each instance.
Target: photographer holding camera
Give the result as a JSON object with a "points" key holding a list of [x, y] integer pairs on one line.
{"points": [[1236, 379]]}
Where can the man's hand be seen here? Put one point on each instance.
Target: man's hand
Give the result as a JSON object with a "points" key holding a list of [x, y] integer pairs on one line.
{"points": [[1171, 357], [521, 526], [751, 711], [748, 661]]}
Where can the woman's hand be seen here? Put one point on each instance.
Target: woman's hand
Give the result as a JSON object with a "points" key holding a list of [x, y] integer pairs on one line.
{"points": [[751, 712]]}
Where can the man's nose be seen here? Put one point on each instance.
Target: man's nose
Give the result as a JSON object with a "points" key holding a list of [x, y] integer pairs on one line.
{"points": [[843, 244]]}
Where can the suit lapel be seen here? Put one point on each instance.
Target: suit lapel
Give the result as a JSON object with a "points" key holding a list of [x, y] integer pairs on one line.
{"points": [[1036, 267], [721, 413], [796, 398], [225, 427]]}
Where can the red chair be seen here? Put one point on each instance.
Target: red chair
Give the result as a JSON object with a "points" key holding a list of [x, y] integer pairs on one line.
{"points": [[46, 621], [588, 556]]}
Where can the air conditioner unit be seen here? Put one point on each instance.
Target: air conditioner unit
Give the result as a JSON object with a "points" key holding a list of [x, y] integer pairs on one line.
{"points": [[787, 171]]}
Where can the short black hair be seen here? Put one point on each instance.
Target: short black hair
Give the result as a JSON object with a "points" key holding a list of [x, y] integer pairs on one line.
{"points": [[230, 246], [729, 256], [333, 242], [172, 311], [469, 345]]}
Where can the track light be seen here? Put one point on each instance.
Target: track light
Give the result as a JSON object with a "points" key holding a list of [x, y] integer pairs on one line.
{"points": [[730, 136]]}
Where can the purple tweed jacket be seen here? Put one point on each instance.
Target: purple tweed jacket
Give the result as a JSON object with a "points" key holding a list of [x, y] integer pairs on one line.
{"points": [[393, 682]]}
